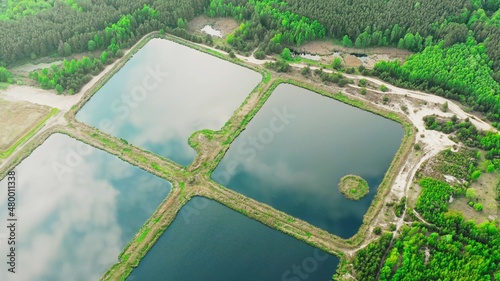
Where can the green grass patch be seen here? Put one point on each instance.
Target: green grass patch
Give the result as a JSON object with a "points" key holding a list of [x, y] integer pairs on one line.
{"points": [[143, 235], [125, 258]]}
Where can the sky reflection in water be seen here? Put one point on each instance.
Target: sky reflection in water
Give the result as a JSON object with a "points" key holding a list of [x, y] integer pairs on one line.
{"points": [[165, 93], [298, 161], [77, 208]]}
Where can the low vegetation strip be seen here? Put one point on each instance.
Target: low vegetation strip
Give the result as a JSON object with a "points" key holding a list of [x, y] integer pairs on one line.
{"points": [[353, 187], [8, 152]]}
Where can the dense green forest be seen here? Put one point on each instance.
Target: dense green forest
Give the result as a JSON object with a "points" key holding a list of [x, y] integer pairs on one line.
{"points": [[68, 30], [14, 9], [72, 75], [267, 24], [367, 260], [448, 249], [381, 22], [444, 247], [392, 18]]}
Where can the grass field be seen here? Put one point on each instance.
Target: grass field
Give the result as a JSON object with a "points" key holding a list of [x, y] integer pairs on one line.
{"points": [[19, 120]]}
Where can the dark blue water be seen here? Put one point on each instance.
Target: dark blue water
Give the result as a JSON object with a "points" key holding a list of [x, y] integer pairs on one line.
{"points": [[208, 241], [165, 93], [77, 207], [298, 146]]}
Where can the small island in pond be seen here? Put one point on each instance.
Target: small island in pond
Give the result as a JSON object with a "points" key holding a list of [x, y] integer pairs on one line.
{"points": [[353, 187]]}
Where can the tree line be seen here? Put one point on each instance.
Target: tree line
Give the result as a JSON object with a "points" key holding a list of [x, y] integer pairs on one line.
{"points": [[391, 19]]}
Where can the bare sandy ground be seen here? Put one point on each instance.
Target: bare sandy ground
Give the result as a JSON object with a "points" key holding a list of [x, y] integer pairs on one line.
{"points": [[39, 96], [224, 25], [18, 118], [29, 67]]}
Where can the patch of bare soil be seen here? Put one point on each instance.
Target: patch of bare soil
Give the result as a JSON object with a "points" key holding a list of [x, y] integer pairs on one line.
{"points": [[322, 48], [371, 55], [351, 61], [29, 67], [18, 118], [224, 25]]}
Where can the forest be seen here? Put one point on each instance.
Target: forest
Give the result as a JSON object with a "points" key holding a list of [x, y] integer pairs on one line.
{"points": [[15, 9], [75, 73], [266, 24], [444, 247], [393, 18], [63, 30], [449, 248]]}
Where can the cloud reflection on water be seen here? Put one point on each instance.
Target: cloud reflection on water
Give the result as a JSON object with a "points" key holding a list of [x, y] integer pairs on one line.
{"points": [[199, 92], [73, 227], [298, 171]]}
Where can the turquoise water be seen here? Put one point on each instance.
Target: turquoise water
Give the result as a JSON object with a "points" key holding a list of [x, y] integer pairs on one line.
{"points": [[77, 207], [208, 241], [166, 92], [295, 150]]}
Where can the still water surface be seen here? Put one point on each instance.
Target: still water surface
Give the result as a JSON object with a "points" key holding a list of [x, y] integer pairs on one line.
{"points": [[166, 92], [77, 207], [298, 146], [208, 241]]}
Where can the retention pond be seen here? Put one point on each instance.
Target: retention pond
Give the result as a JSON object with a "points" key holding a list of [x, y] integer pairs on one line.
{"points": [[295, 150], [164, 93], [208, 241]]}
